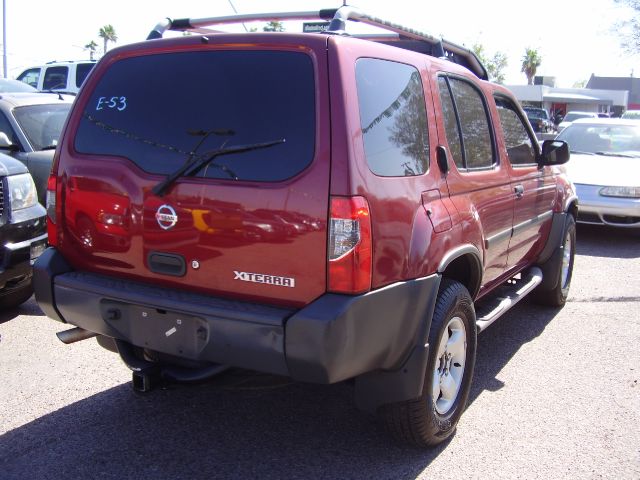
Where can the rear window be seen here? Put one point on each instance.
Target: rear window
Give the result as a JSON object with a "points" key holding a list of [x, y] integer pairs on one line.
{"points": [[82, 70], [160, 111]]}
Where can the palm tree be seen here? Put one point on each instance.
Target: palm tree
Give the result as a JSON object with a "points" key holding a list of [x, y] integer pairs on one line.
{"points": [[108, 34], [530, 63], [91, 46]]}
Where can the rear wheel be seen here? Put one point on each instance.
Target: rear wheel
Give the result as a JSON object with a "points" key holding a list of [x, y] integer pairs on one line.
{"points": [[432, 418]]}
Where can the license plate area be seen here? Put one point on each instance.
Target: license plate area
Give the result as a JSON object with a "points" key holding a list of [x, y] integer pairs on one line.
{"points": [[165, 331]]}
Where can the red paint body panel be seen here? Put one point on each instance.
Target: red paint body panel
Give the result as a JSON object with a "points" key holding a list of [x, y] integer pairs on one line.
{"points": [[280, 229], [224, 226]]}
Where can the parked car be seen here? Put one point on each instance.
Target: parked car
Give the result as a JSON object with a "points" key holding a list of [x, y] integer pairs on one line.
{"points": [[631, 115], [30, 127], [398, 203], [574, 115], [22, 232], [7, 85], [539, 119], [605, 167], [65, 77]]}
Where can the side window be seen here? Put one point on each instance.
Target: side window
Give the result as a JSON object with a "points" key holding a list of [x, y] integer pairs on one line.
{"points": [[55, 78], [520, 149], [472, 127], [454, 138], [82, 70], [30, 77], [393, 118]]}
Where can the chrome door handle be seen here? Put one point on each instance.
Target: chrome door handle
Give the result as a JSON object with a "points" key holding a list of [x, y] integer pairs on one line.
{"points": [[519, 191]]}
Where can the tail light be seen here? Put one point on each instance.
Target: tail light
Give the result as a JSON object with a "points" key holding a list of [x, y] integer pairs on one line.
{"points": [[52, 228], [349, 245]]}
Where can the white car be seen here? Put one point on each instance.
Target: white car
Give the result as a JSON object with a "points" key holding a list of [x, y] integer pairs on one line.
{"points": [[605, 168], [64, 77], [572, 116], [631, 114]]}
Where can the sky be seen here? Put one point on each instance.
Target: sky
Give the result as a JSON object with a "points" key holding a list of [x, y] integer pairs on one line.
{"points": [[576, 38]]}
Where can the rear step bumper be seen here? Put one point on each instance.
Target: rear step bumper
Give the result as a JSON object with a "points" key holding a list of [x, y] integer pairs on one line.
{"points": [[334, 338]]}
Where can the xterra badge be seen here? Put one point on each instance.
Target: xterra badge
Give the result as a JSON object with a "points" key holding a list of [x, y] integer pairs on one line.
{"points": [[267, 279], [166, 217]]}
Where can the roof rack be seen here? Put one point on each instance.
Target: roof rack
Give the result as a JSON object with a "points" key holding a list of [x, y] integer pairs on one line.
{"points": [[405, 37]]}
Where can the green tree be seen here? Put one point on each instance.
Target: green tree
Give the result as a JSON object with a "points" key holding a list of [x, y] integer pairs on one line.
{"points": [[629, 29], [274, 27], [108, 34], [530, 63], [495, 65], [91, 46]]}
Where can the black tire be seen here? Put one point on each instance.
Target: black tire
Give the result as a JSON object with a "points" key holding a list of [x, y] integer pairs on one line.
{"points": [[553, 292], [428, 421], [16, 297]]}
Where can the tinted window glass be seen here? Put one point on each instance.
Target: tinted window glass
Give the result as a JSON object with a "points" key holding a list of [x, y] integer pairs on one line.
{"points": [[55, 78], [156, 109], [82, 70], [30, 76], [393, 118], [518, 142], [450, 123], [42, 124], [478, 150]]}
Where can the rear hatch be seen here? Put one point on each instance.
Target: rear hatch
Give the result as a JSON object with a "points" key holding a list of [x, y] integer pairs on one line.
{"points": [[195, 164]]}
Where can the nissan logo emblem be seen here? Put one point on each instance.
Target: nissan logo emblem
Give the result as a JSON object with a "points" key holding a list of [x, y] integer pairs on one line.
{"points": [[166, 217]]}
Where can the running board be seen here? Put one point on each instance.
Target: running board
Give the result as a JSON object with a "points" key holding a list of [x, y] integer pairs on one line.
{"points": [[508, 295]]}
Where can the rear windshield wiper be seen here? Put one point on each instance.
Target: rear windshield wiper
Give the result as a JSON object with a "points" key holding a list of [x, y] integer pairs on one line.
{"points": [[195, 166], [49, 147]]}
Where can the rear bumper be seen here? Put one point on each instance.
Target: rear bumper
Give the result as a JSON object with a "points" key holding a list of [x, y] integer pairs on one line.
{"points": [[334, 338]]}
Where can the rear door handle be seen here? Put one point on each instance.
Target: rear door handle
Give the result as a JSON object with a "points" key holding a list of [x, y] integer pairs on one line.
{"points": [[519, 191]]}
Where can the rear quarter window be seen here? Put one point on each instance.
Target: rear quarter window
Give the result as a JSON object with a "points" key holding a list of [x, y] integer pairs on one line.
{"points": [[393, 118], [160, 111]]}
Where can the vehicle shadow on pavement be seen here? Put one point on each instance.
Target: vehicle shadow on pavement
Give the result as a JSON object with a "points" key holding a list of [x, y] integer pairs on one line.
{"points": [[598, 241], [240, 426], [30, 307], [502, 340]]}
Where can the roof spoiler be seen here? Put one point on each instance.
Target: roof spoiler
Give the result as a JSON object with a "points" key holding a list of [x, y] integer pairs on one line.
{"points": [[337, 17]]}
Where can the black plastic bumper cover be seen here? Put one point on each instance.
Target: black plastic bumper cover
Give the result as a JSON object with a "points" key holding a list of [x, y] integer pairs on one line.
{"points": [[334, 338]]}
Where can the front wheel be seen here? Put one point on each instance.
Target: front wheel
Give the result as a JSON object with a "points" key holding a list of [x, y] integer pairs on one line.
{"points": [[432, 418], [554, 291]]}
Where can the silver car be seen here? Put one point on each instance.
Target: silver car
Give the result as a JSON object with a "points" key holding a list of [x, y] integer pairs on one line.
{"points": [[30, 127], [605, 168]]}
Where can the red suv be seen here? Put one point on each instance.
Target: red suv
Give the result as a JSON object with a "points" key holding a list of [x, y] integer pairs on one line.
{"points": [[312, 205]]}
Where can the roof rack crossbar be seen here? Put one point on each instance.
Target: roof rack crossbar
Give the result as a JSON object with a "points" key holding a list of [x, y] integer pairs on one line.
{"points": [[338, 18]]}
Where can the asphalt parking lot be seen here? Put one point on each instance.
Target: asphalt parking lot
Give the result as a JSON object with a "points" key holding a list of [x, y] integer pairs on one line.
{"points": [[556, 394]]}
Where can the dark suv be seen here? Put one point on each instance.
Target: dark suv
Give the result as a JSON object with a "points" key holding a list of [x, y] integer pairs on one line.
{"points": [[22, 232], [312, 205]]}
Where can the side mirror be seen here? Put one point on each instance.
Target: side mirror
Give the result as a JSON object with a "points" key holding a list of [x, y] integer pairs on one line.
{"points": [[554, 152], [5, 143], [4, 140]]}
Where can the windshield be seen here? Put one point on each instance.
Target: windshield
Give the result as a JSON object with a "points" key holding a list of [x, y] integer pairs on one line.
{"points": [[160, 111], [620, 140], [571, 116], [536, 113], [42, 124]]}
